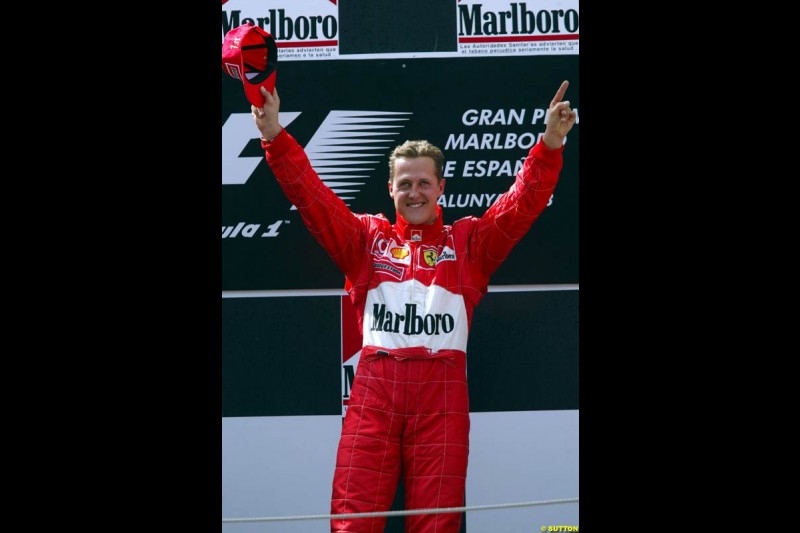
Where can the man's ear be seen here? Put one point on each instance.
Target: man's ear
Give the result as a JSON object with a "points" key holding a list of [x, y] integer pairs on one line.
{"points": [[391, 190], [441, 186]]}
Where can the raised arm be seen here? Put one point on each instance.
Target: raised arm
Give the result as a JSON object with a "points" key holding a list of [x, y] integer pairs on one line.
{"points": [[511, 216], [326, 216]]}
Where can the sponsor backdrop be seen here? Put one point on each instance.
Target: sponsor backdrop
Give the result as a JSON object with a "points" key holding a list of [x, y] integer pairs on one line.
{"points": [[474, 78]]}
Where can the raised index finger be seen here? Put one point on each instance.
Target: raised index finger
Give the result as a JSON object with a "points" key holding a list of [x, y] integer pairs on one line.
{"points": [[560, 93]]}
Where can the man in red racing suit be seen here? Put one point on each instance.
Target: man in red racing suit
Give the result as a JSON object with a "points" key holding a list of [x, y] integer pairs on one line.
{"points": [[414, 285]]}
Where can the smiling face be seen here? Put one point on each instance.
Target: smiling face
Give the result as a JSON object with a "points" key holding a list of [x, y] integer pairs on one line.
{"points": [[415, 189]]}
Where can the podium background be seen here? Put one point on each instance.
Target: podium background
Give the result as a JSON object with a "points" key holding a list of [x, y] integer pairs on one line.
{"points": [[404, 66]]}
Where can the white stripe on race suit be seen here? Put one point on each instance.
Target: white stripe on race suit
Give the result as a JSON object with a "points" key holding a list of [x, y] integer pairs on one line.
{"points": [[402, 315]]}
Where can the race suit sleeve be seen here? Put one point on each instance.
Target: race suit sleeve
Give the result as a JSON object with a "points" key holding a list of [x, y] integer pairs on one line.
{"points": [[326, 216], [511, 216]]}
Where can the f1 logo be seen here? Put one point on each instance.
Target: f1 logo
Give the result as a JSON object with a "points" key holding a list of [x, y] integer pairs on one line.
{"points": [[344, 142]]}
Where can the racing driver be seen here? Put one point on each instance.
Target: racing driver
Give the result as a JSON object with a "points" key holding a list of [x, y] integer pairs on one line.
{"points": [[414, 284]]}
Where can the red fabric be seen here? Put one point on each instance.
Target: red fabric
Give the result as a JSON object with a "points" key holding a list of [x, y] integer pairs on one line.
{"points": [[249, 54], [414, 288], [413, 413]]}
